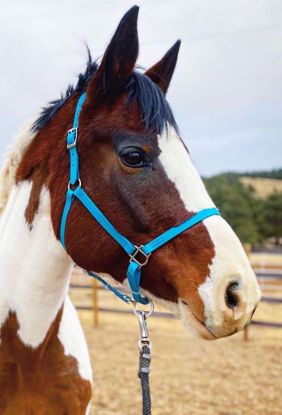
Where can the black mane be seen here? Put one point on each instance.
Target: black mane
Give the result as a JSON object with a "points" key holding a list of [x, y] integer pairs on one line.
{"points": [[155, 110], [50, 110]]}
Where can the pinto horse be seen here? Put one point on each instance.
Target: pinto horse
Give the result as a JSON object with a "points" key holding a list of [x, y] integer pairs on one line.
{"points": [[136, 168]]}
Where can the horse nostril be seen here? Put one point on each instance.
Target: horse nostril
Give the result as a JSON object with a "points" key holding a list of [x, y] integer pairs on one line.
{"points": [[231, 295]]}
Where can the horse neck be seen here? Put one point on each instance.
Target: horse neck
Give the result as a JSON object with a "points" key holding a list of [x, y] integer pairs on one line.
{"points": [[34, 268]]}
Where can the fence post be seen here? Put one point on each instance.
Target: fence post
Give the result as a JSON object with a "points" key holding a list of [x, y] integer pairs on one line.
{"points": [[248, 248], [95, 303], [246, 333]]}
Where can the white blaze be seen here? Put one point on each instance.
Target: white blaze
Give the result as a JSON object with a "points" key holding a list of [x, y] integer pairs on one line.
{"points": [[230, 260], [180, 170], [229, 264]]}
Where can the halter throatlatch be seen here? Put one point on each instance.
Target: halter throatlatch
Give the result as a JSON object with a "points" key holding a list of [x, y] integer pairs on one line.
{"points": [[138, 255]]}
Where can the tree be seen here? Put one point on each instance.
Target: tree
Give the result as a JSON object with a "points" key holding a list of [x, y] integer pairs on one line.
{"points": [[272, 226], [238, 206]]}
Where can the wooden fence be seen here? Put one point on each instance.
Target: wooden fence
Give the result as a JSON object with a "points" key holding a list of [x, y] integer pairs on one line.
{"points": [[273, 279]]}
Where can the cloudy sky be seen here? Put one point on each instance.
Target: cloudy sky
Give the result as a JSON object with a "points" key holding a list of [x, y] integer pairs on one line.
{"points": [[227, 88]]}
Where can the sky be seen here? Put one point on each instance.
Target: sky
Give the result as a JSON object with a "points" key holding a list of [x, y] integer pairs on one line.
{"points": [[226, 93]]}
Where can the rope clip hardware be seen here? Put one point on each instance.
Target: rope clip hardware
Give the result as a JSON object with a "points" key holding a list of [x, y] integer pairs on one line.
{"points": [[142, 319]]}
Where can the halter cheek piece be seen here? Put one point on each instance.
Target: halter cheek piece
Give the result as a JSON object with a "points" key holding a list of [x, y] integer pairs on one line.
{"points": [[143, 252]]}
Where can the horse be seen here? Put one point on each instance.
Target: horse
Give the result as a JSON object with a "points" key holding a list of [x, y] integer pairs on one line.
{"points": [[137, 169]]}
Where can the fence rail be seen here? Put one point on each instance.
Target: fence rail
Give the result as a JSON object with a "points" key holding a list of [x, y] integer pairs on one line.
{"points": [[267, 324], [96, 309], [271, 300], [160, 314], [269, 275]]}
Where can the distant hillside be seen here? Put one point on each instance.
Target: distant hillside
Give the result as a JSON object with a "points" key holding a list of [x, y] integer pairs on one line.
{"points": [[263, 187], [271, 174], [251, 204], [260, 183], [275, 174]]}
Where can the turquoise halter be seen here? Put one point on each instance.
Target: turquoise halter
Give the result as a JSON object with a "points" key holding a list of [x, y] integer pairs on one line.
{"points": [[76, 191]]}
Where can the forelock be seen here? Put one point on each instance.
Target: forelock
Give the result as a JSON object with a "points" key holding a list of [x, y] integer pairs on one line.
{"points": [[155, 110]]}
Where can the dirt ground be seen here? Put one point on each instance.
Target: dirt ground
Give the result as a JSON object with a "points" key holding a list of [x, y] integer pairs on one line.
{"points": [[189, 376]]}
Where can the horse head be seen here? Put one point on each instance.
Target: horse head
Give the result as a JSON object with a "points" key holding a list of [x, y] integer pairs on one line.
{"points": [[137, 169]]}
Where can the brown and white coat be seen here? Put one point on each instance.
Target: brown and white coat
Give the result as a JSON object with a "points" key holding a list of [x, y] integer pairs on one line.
{"points": [[203, 275]]}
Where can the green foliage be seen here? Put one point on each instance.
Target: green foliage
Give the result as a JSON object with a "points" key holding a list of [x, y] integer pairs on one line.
{"points": [[273, 216], [251, 218], [271, 174]]}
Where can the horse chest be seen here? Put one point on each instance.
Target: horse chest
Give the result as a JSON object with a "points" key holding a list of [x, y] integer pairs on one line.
{"points": [[42, 381]]}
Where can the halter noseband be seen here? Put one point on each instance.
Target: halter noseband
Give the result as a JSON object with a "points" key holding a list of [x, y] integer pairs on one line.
{"points": [[75, 190]]}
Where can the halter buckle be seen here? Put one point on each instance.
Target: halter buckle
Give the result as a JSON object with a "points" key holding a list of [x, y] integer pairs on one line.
{"points": [[139, 262], [72, 132]]}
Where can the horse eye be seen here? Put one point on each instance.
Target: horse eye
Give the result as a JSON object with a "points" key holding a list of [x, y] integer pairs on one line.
{"points": [[133, 157]]}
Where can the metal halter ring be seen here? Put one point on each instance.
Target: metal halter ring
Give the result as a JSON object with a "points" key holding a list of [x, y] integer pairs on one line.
{"points": [[145, 313], [76, 184], [140, 250]]}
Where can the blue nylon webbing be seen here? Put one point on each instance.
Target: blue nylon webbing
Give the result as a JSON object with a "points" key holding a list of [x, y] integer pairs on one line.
{"points": [[103, 221], [133, 274], [134, 268], [74, 165], [68, 203], [123, 297], [71, 141], [177, 230]]}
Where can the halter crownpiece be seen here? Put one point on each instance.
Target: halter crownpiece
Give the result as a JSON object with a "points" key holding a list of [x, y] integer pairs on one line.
{"points": [[143, 252]]}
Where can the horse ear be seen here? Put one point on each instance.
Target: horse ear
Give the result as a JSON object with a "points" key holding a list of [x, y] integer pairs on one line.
{"points": [[119, 58], [161, 73]]}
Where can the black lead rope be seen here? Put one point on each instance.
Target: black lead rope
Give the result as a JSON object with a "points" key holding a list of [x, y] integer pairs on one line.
{"points": [[145, 358], [144, 372]]}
